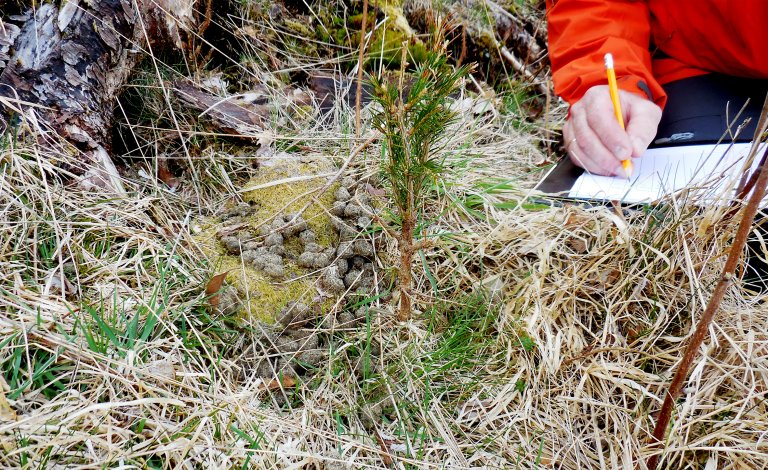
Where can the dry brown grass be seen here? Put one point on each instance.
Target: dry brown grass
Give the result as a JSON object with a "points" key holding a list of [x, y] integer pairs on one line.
{"points": [[609, 304]]}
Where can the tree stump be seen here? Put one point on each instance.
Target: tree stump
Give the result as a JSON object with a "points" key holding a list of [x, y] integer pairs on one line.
{"points": [[62, 67]]}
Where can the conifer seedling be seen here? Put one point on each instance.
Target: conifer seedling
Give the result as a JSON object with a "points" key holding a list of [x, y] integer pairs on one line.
{"points": [[413, 119]]}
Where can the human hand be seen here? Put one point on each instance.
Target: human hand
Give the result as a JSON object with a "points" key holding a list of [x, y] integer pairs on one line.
{"points": [[593, 137]]}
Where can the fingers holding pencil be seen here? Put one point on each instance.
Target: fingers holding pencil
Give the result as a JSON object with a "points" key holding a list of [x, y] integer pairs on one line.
{"points": [[600, 143], [585, 146], [642, 117]]}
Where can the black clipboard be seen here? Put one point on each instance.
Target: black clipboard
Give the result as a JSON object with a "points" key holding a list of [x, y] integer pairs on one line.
{"points": [[560, 179]]}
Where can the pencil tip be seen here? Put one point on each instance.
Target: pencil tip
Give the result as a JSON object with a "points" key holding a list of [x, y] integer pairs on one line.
{"points": [[627, 165]]}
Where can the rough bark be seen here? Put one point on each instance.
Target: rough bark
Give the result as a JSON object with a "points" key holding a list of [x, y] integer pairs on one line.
{"points": [[63, 67]]}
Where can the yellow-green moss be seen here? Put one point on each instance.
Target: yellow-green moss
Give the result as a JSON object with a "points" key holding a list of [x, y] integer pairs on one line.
{"points": [[263, 296], [397, 19], [298, 27], [387, 41], [390, 50], [292, 197]]}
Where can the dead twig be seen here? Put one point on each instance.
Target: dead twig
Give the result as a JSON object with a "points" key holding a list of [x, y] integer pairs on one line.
{"points": [[360, 57], [385, 455]]}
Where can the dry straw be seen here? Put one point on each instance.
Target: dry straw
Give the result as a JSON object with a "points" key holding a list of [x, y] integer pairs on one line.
{"points": [[597, 308], [746, 225]]}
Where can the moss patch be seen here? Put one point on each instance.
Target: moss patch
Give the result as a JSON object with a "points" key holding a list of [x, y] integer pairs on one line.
{"points": [[293, 196], [387, 41], [263, 297]]}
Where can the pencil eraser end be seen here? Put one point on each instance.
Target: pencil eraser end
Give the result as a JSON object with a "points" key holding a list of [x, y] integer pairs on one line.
{"points": [[608, 60]]}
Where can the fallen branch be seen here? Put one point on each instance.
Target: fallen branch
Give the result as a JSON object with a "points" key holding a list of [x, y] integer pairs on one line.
{"points": [[523, 70], [245, 114], [71, 60]]}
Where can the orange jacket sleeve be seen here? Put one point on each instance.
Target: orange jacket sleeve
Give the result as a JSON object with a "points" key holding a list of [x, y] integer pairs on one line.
{"points": [[581, 32]]}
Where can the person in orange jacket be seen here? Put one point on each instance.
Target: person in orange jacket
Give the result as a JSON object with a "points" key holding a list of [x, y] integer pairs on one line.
{"points": [[696, 57]]}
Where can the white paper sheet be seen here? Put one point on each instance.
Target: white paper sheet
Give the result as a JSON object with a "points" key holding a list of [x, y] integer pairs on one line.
{"points": [[712, 171]]}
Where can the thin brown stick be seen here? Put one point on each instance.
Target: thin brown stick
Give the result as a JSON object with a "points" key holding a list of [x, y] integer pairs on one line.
{"points": [[360, 57], [207, 19], [201, 29], [745, 226], [405, 274], [752, 180], [386, 457]]}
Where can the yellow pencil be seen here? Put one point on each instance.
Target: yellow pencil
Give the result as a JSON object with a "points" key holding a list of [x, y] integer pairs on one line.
{"points": [[614, 90]]}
